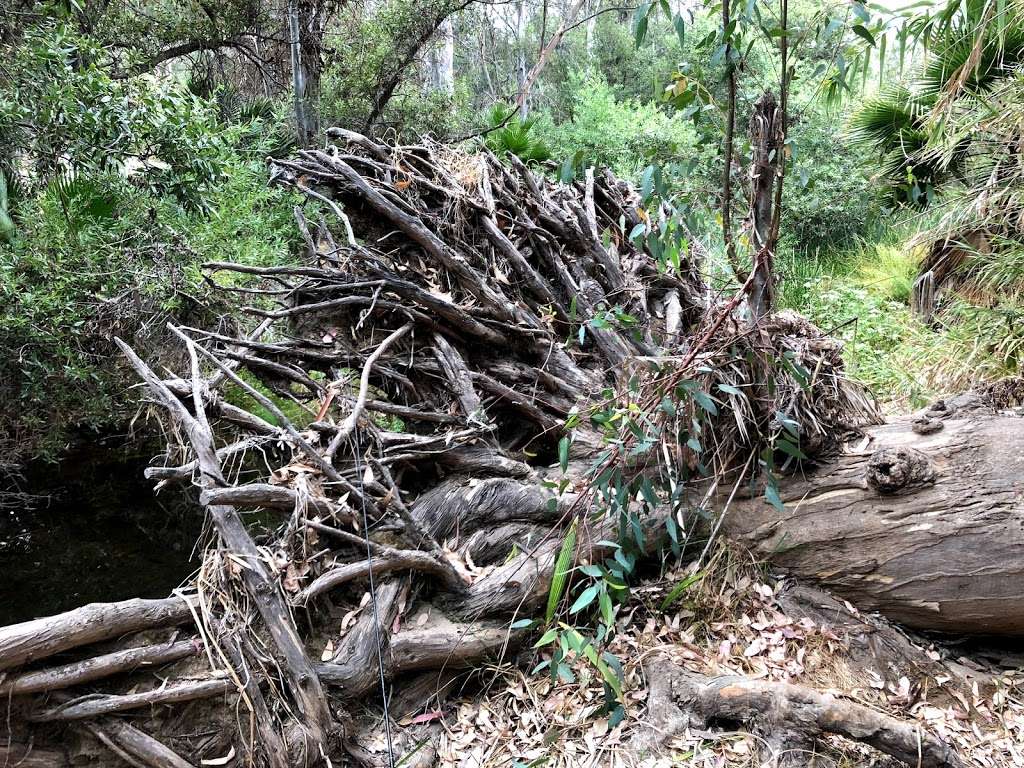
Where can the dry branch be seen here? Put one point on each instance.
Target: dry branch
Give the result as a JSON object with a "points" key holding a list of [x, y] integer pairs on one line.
{"points": [[32, 640], [96, 668], [790, 718]]}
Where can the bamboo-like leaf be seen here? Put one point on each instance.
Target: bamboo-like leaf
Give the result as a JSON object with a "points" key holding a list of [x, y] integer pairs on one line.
{"points": [[560, 577], [680, 588]]}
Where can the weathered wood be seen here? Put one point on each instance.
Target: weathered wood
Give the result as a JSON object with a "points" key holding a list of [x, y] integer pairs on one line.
{"points": [[789, 717], [274, 497], [138, 744], [261, 586], [459, 377], [96, 668], [105, 704], [927, 529], [14, 754], [445, 646], [37, 639]]}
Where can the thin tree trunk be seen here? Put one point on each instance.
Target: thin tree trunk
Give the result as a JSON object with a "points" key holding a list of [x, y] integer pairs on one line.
{"points": [[730, 131], [766, 148], [445, 68], [304, 37]]}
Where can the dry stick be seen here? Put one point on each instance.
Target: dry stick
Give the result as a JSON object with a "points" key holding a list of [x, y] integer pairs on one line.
{"points": [[272, 496], [415, 229], [303, 682], [332, 474], [271, 741], [184, 471], [364, 388], [105, 704], [106, 741], [37, 639], [453, 579], [542, 59], [460, 378], [401, 560], [806, 714], [260, 329], [137, 744], [97, 667], [349, 234]]}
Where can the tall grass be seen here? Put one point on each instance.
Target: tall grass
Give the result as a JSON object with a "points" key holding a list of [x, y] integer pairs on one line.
{"points": [[862, 297]]}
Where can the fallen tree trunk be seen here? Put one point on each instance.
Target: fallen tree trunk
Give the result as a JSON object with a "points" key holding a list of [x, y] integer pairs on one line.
{"points": [[927, 529], [96, 668]]}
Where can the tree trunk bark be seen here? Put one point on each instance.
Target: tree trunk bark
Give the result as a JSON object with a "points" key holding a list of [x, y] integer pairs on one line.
{"points": [[927, 529], [305, 36], [765, 130]]}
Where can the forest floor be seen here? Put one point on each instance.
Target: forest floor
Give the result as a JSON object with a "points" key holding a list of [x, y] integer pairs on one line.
{"points": [[727, 622]]}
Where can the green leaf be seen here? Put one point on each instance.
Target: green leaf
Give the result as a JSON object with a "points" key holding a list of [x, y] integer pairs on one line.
{"points": [[680, 27], [563, 566], [522, 624], [563, 453], [607, 612], [771, 495], [788, 448], [861, 31], [586, 598], [640, 23], [704, 400], [680, 588], [647, 182], [547, 638]]}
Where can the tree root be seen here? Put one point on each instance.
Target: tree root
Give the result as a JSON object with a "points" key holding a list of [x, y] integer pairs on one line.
{"points": [[790, 718]]}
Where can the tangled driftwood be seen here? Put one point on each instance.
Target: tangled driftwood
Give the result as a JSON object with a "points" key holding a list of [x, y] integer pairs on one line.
{"points": [[434, 341]]}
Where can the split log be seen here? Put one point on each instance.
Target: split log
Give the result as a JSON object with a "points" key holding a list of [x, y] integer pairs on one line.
{"points": [[31, 640], [927, 529]]}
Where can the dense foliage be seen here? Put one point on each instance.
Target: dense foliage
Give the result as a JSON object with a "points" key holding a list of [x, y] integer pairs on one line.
{"points": [[132, 145]]}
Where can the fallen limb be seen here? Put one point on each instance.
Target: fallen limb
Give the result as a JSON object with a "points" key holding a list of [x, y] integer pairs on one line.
{"points": [[32, 640], [789, 717], [96, 668], [927, 529], [443, 647], [105, 704], [275, 497], [137, 744]]}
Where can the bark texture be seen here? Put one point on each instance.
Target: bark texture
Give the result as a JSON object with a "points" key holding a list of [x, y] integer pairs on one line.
{"points": [[927, 529]]}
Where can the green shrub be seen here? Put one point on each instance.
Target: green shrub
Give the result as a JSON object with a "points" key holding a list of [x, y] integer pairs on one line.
{"points": [[625, 135], [828, 201], [514, 136], [97, 256]]}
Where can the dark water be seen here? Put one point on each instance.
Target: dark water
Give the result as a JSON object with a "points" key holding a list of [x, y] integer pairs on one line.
{"points": [[98, 534]]}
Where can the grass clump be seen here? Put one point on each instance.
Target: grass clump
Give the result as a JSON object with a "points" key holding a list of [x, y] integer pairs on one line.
{"points": [[863, 298]]}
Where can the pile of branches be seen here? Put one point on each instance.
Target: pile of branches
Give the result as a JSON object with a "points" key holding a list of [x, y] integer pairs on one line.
{"points": [[408, 387]]}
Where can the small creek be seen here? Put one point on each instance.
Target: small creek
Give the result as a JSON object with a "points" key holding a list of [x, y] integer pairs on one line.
{"points": [[97, 534]]}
